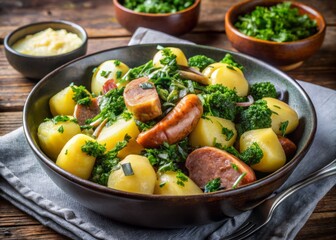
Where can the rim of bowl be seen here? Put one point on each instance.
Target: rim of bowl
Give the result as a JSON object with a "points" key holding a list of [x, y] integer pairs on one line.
{"points": [[120, 6], [64, 22], [214, 195], [300, 5]]}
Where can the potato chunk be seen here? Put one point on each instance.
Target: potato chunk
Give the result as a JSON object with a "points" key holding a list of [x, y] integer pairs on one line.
{"points": [[62, 103], [273, 154], [231, 77], [73, 160], [168, 183], [52, 137], [141, 181], [282, 113], [115, 133], [211, 68], [180, 57], [110, 69], [212, 130]]}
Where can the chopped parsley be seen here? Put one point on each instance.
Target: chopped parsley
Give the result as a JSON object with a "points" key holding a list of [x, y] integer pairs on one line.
{"points": [[93, 148], [213, 185], [228, 59], [105, 73], [61, 129], [81, 95], [157, 6], [181, 178], [117, 63], [228, 133], [238, 180], [278, 23], [107, 162], [283, 127]]}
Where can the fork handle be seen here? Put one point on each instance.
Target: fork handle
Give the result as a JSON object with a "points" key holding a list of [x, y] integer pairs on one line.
{"points": [[326, 171]]}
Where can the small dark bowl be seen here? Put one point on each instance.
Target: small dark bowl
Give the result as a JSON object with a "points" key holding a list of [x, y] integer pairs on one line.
{"points": [[165, 211], [172, 23], [36, 67], [285, 55]]}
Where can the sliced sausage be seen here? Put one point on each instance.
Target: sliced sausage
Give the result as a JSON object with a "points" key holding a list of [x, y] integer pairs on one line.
{"points": [[142, 100], [288, 146], [109, 85], [178, 123], [208, 163], [83, 112]]}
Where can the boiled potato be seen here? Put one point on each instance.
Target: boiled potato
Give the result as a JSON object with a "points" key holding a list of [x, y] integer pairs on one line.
{"points": [[52, 137], [115, 133], [211, 68], [62, 103], [167, 184], [143, 178], [282, 112], [110, 69], [213, 129], [273, 154], [180, 57], [73, 160], [231, 77]]}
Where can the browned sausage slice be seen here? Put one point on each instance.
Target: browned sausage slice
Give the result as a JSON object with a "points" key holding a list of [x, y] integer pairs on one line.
{"points": [[83, 112], [208, 163], [178, 123], [142, 100], [288, 146]]}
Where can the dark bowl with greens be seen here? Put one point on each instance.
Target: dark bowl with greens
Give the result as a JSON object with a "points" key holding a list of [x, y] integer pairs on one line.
{"points": [[282, 33], [172, 17], [163, 211]]}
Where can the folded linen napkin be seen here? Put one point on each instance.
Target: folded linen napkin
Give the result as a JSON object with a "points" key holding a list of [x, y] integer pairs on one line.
{"points": [[24, 184]]}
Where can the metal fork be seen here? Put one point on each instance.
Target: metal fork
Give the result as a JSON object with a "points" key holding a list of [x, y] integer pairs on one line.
{"points": [[261, 214]]}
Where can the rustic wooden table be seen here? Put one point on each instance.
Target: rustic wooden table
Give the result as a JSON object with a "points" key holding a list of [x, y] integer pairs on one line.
{"points": [[97, 17]]}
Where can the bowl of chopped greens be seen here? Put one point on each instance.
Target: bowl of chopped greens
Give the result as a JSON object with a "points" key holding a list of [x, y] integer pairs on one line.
{"points": [[172, 17], [282, 33], [168, 136]]}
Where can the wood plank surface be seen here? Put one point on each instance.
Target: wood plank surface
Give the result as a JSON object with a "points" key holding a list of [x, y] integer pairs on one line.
{"points": [[97, 17]]}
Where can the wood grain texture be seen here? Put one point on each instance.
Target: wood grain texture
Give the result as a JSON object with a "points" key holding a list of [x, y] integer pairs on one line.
{"points": [[97, 17]]}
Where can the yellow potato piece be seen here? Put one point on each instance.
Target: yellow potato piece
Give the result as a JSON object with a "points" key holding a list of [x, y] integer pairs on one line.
{"points": [[106, 71], [273, 154], [52, 137], [167, 185], [233, 79], [115, 133], [62, 103], [282, 112], [212, 67], [180, 57], [142, 181], [73, 160], [209, 130]]}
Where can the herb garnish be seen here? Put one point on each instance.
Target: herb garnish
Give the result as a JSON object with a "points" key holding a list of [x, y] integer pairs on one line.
{"points": [[239, 179], [157, 6], [213, 185], [279, 23], [283, 127]]}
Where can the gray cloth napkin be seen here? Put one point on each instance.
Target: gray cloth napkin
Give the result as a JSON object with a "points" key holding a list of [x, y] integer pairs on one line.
{"points": [[25, 185]]}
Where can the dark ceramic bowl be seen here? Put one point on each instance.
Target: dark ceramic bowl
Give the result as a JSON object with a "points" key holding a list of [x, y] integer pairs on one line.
{"points": [[172, 23], [36, 67], [154, 210], [285, 55]]}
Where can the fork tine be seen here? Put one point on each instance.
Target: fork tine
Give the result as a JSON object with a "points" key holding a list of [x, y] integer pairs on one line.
{"points": [[245, 228]]}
